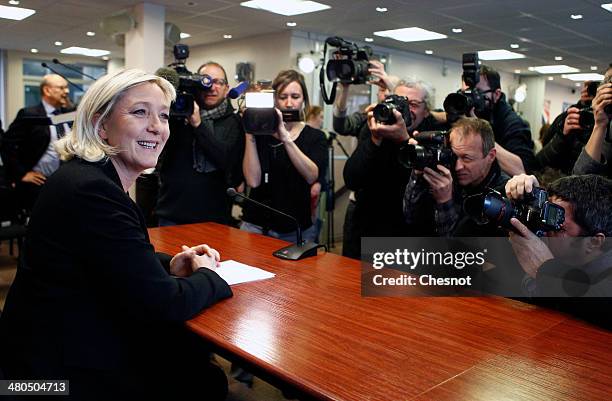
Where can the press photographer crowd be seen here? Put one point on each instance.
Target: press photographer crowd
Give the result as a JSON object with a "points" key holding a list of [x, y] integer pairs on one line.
{"points": [[468, 170]]}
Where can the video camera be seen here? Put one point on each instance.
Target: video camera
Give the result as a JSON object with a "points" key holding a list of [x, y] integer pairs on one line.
{"points": [[457, 105], [534, 210], [433, 148], [349, 66], [260, 116], [187, 84], [383, 111]]}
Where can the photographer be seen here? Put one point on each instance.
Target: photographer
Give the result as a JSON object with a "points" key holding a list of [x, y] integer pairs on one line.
{"points": [[576, 261], [374, 172], [596, 154], [202, 158], [475, 171], [512, 134], [281, 168], [566, 137]]}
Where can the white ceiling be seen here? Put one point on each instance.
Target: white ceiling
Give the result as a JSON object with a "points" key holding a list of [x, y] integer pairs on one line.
{"points": [[543, 28]]}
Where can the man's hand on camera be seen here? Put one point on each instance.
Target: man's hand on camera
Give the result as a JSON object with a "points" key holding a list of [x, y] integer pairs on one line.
{"points": [[602, 99], [194, 119], [396, 133], [440, 182], [520, 184], [572, 121], [531, 252], [377, 69]]}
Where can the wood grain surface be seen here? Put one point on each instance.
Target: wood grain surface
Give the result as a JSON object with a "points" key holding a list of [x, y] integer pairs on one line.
{"points": [[310, 328]]}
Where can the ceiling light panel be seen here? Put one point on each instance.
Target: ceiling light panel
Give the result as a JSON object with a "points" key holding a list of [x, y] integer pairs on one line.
{"points": [[85, 51], [554, 69], [413, 34], [286, 7], [583, 77], [499, 54], [15, 13]]}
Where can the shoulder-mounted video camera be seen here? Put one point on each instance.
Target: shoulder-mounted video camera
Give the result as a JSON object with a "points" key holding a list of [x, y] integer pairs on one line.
{"points": [[433, 148], [535, 211], [349, 65], [457, 105]]}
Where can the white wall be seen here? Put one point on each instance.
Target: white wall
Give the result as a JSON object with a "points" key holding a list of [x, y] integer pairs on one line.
{"points": [[557, 94]]}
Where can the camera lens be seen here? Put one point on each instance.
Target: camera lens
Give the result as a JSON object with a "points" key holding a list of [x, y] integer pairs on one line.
{"points": [[498, 209], [383, 113]]}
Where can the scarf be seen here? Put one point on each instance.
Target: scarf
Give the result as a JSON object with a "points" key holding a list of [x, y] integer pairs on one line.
{"points": [[201, 163]]}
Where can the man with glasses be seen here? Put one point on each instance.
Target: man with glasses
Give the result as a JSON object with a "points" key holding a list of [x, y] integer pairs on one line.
{"points": [[444, 190], [28, 147], [202, 158], [373, 171], [513, 141]]}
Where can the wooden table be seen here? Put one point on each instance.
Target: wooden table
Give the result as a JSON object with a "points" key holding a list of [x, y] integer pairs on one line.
{"points": [[309, 329]]}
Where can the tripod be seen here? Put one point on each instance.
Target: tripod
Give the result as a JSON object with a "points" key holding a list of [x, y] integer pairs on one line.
{"points": [[330, 189]]}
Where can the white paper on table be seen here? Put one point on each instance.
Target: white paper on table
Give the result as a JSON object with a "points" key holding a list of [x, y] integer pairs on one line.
{"points": [[235, 272]]}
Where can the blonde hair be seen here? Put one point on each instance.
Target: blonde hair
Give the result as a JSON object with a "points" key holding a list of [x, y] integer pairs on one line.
{"points": [[96, 105]]}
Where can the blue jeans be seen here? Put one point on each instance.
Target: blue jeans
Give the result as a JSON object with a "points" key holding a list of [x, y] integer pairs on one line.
{"points": [[309, 234]]}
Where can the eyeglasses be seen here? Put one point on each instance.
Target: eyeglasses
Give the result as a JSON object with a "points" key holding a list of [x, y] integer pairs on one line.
{"points": [[415, 104], [219, 82]]}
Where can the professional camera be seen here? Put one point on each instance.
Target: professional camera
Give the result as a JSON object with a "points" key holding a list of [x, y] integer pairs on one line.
{"points": [[433, 148], [383, 111], [260, 117], [587, 118], [457, 105], [189, 84], [534, 210], [349, 65]]}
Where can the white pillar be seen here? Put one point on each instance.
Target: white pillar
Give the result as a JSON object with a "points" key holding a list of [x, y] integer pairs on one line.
{"points": [[144, 44], [533, 105]]}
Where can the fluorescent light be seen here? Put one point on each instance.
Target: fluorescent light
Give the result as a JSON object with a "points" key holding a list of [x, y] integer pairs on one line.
{"points": [[15, 13], [105, 58], [499, 54], [576, 16], [291, 23], [58, 43], [558, 58], [551, 79], [91, 33], [34, 50], [553, 69], [85, 51], [517, 71], [286, 7], [514, 45], [413, 34], [306, 64], [185, 35], [382, 9], [369, 40], [428, 51], [607, 6], [577, 85], [583, 77], [593, 68], [14, 2], [227, 36], [457, 30]]}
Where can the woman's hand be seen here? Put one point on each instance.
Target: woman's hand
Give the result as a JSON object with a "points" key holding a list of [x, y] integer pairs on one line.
{"points": [[191, 259], [282, 134]]}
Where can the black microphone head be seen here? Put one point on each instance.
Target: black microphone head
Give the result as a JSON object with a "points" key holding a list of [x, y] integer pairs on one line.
{"points": [[231, 192], [55, 61], [169, 75], [44, 64]]}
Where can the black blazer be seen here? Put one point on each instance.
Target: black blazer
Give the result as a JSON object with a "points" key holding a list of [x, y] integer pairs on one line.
{"points": [[90, 293]]}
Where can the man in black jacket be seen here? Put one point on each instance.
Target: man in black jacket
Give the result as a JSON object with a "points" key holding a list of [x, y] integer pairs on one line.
{"points": [[374, 172], [27, 148], [512, 133], [202, 158]]}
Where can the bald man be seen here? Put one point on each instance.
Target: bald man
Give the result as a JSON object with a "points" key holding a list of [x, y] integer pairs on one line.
{"points": [[27, 149]]}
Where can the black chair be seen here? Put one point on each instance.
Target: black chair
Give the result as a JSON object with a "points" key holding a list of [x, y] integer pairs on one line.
{"points": [[12, 220]]}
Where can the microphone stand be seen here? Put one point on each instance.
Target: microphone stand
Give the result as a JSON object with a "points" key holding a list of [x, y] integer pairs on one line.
{"points": [[301, 249], [330, 204], [56, 61]]}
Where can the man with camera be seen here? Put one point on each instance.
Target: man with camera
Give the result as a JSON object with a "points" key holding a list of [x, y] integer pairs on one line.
{"points": [[202, 158], [568, 133], [512, 133], [442, 189], [597, 153], [577, 260], [374, 172]]}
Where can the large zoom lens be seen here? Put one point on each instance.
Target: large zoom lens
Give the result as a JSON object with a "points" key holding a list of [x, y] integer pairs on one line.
{"points": [[340, 71]]}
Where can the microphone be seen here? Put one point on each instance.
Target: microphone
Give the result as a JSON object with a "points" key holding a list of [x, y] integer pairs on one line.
{"points": [[301, 249], [238, 90], [56, 61], [45, 65], [169, 75]]}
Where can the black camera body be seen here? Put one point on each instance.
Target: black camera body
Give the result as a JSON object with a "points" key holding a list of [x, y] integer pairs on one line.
{"points": [[351, 62], [433, 148], [586, 119], [189, 86], [260, 116], [459, 104], [535, 211], [383, 111]]}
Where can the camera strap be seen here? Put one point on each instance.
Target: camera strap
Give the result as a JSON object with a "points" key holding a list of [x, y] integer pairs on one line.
{"points": [[332, 95]]}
